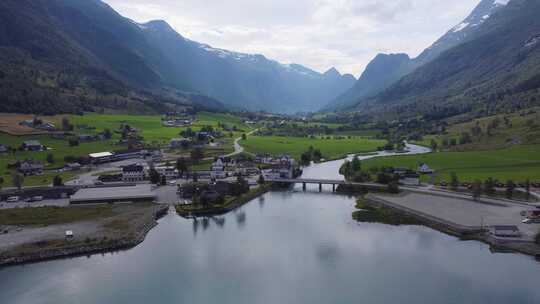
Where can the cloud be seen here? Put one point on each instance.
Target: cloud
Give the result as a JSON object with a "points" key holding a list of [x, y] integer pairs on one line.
{"points": [[320, 34]]}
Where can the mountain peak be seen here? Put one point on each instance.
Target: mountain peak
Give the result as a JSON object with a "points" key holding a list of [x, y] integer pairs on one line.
{"points": [[333, 72]]}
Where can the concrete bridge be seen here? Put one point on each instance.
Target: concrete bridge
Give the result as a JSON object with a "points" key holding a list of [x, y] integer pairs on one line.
{"points": [[321, 182]]}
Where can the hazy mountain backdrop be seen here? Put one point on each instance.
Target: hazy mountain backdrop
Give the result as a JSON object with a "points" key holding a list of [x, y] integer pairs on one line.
{"points": [[78, 54]]}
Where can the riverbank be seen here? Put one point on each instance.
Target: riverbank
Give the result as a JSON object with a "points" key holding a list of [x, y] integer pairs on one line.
{"points": [[125, 228], [230, 204], [458, 218]]}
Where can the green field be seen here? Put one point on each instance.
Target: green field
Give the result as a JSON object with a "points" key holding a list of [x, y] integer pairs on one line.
{"points": [[517, 163], [295, 146]]}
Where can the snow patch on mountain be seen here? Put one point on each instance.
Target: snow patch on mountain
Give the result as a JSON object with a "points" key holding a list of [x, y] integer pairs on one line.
{"points": [[460, 27], [501, 2]]}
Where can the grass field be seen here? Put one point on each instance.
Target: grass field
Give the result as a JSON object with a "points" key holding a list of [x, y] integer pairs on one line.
{"points": [[52, 215], [517, 163], [295, 146]]}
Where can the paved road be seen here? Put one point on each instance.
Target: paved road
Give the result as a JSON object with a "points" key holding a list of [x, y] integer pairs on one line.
{"points": [[238, 149]]}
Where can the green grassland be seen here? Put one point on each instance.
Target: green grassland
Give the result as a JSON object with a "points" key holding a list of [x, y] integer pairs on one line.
{"points": [[331, 148], [517, 163]]}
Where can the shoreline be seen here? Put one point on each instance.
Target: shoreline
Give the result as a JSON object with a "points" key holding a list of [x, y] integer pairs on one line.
{"points": [[462, 232], [79, 249]]}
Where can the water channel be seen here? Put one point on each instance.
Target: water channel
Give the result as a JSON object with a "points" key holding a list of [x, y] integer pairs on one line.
{"points": [[283, 247]]}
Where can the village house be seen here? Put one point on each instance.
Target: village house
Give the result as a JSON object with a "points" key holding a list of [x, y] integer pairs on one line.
{"points": [[101, 157], [32, 145], [281, 168], [29, 168], [504, 231], [265, 159], [46, 126], [72, 167], [180, 143], [169, 172], [218, 170], [133, 173], [425, 169]]}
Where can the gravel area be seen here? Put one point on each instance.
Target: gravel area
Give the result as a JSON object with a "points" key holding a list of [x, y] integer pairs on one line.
{"points": [[465, 212]]}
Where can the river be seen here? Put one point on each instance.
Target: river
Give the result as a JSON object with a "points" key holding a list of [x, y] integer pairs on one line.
{"points": [[284, 247]]}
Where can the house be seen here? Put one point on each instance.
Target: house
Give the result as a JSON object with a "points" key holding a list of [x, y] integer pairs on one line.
{"points": [[218, 170], [101, 157], [223, 188], [401, 171], [409, 179], [3, 148], [133, 173], [425, 169], [168, 172], [33, 145], [180, 143], [281, 168], [28, 168], [72, 167], [46, 126], [505, 231], [264, 159]]}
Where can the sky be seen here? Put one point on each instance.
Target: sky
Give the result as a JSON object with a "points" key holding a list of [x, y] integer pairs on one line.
{"points": [[319, 34]]}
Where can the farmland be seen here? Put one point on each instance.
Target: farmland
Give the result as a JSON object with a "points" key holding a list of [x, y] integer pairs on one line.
{"points": [[516, 163], [331, 147]]}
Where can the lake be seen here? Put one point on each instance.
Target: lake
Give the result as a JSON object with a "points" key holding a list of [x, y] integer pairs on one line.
{"points": [[283, 247]]}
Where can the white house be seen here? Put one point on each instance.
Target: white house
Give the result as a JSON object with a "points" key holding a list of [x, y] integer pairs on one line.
{"points": [[133, 173], [425, 169], [168, 172], [410, 179], [505, 231], [218, 170]]}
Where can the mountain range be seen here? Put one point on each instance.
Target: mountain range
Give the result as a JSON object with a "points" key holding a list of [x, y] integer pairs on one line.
{"points": [[386, 70], [75, 55]]}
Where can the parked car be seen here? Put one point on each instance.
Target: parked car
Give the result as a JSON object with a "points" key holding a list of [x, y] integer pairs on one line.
{"points": [[12, 199], [36, 199], [531, 221]]}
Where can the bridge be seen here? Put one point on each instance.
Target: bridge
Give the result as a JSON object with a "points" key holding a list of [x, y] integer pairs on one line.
{"points": [[321, 182]]}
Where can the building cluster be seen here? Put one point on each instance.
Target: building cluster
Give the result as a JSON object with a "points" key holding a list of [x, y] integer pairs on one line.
{"points": [[107, 157], [139, 172], [178, 122], [281, 167]]}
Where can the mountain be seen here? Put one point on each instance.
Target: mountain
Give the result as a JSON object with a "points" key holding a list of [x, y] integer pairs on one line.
{"points": [[386, 70], [72, 56], [496, 68], [78, 55], [247, 81]]}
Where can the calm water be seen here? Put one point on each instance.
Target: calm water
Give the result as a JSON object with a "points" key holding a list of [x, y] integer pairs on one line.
{"points": [[285, 247]]}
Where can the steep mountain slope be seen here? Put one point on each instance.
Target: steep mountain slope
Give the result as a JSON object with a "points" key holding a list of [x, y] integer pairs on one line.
{"points": [[497, 68], [93, 46], [72, 56], [391, 69]]}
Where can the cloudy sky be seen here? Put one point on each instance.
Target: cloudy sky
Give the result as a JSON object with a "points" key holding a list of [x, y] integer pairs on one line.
{"points": [[319, 34]]}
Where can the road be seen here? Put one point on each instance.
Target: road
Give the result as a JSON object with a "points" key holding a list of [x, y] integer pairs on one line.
{"points": [[238, 149]]}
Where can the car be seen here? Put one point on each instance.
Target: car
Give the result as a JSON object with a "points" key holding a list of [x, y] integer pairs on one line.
{"points": [[36, 199], [13, 199], [531, 221]]}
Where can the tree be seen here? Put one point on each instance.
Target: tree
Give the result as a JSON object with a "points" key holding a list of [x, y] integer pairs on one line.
{"points": [[163, 180], [454, 181], [261, 180], [73, 142], [181, 166], [393, 186], [50, 158], [57, 181], [434, 145], [66, 125], [18, 180], [528, 189], [510, 187], [197, 154], [489, 186], [477, 190], [356, 164], [107, 134], [154, 176], [1, 181], [244, 136], [195, 177]]}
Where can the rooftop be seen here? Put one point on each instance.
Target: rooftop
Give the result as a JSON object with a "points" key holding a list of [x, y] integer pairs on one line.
{"points": [[113, 193], [100, 154]]}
